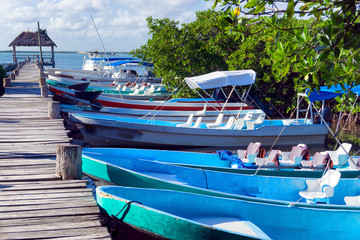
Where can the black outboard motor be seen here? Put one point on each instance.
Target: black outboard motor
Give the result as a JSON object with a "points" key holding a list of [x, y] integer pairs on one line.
{"points": [[325, 114]]}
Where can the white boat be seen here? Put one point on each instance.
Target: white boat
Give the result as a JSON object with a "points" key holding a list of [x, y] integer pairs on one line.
{"points": [[98, 67], [109, 130]]}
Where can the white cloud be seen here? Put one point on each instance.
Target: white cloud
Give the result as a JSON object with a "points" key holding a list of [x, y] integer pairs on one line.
{"points": [[121, 23]]}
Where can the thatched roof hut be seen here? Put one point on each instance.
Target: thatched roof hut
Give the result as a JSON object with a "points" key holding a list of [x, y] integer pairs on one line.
{"points": [[31, 39]]}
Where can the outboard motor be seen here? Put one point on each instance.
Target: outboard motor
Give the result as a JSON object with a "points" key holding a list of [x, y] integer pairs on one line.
{"points": [[325, 114]]}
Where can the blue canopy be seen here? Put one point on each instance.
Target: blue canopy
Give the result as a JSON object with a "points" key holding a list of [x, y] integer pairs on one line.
{"points": [[131, 61], [113, 59], [326, 92]]}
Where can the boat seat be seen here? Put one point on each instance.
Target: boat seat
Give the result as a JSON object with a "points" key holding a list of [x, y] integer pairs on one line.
{"points": [[251, 125], [152, 88], [217, 123], [229, 124], [188, 122], [251, 152], [352, 200], [202, 112], [320, 190], [354, 163], [340, 156], [271, 160], [319, 160], [197, 123], [240, 122], [233, 224], [295, 156]]}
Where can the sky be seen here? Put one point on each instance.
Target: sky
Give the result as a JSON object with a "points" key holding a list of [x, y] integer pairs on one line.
{"points": [[121, 24]]}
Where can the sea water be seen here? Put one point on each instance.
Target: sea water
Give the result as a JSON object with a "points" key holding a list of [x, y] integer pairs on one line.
{"points": [[65, 60]]}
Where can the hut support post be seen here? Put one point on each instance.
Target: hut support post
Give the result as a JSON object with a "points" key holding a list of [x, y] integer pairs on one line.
{"points": [[39, 37], [14, 54], [52, 56]]}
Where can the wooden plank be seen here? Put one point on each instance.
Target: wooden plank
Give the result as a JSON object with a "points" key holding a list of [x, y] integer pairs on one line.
{"points": [[53, 220], [27, 171], [25, 193], [44, 227], [39, 194], [29, 178], [10, 187], [48, 201], [52, 212], [55, 233], [56, 205]]}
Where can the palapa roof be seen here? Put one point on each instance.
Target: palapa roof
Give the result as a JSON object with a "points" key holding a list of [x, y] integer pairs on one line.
{"points": [[30, 39]]}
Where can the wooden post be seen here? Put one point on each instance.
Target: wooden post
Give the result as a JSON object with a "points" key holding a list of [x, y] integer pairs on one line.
{"points": [[7, 82], [14, 54], [68, 162], [12, 76], [16, 72], [54, 109]]}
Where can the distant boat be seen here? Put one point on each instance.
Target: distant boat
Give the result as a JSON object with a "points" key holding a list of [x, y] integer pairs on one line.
{"points": [[103, 67], [177, 104], [127, 91], [272, 203], [177, 215]]}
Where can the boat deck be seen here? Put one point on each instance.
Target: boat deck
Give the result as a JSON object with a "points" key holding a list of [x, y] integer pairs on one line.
{"points": [[34, 203]]}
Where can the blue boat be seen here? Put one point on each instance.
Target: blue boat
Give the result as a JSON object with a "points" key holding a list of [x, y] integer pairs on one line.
{"points": [[212, 161], [271, 203], [168, 214]]}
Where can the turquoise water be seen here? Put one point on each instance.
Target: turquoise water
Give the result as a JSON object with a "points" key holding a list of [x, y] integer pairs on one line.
{"points": [[66, 60]]}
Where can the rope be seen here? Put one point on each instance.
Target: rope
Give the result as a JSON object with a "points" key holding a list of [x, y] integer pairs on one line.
{"points": [[127, 204], [207, 187]]}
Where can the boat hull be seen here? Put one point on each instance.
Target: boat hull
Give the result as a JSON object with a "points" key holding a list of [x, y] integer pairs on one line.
{"points": [[210, 161], [121, 132], [278, 219], [159, 212]]}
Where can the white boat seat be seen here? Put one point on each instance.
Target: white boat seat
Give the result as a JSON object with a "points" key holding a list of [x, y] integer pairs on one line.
{"points": [[271, 160], [251, 125], [354, 163], [229, 124], [340, 156], [202, 112], [319, 160], [251, 152], [240, 122], [320, 190], [188, 122], [352, 200], [217, 123], [294, 157], [197, 123]]}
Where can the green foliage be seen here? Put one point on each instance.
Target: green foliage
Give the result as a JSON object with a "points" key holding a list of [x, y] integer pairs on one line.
{"points": [[325, 50], [204, 46], [192, 49], [2, 72]]}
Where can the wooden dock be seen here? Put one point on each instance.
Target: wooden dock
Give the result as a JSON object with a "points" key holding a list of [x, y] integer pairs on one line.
{"points": [[34, 203]]}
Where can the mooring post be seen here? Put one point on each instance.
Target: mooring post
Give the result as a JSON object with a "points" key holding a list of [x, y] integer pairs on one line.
{"points": [[7, 82], [42, 84], [54, 109], [68, 162], [12, 76]]}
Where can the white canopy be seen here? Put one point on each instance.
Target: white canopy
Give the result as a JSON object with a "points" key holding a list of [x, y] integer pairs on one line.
{"points": [[222, 79]]}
